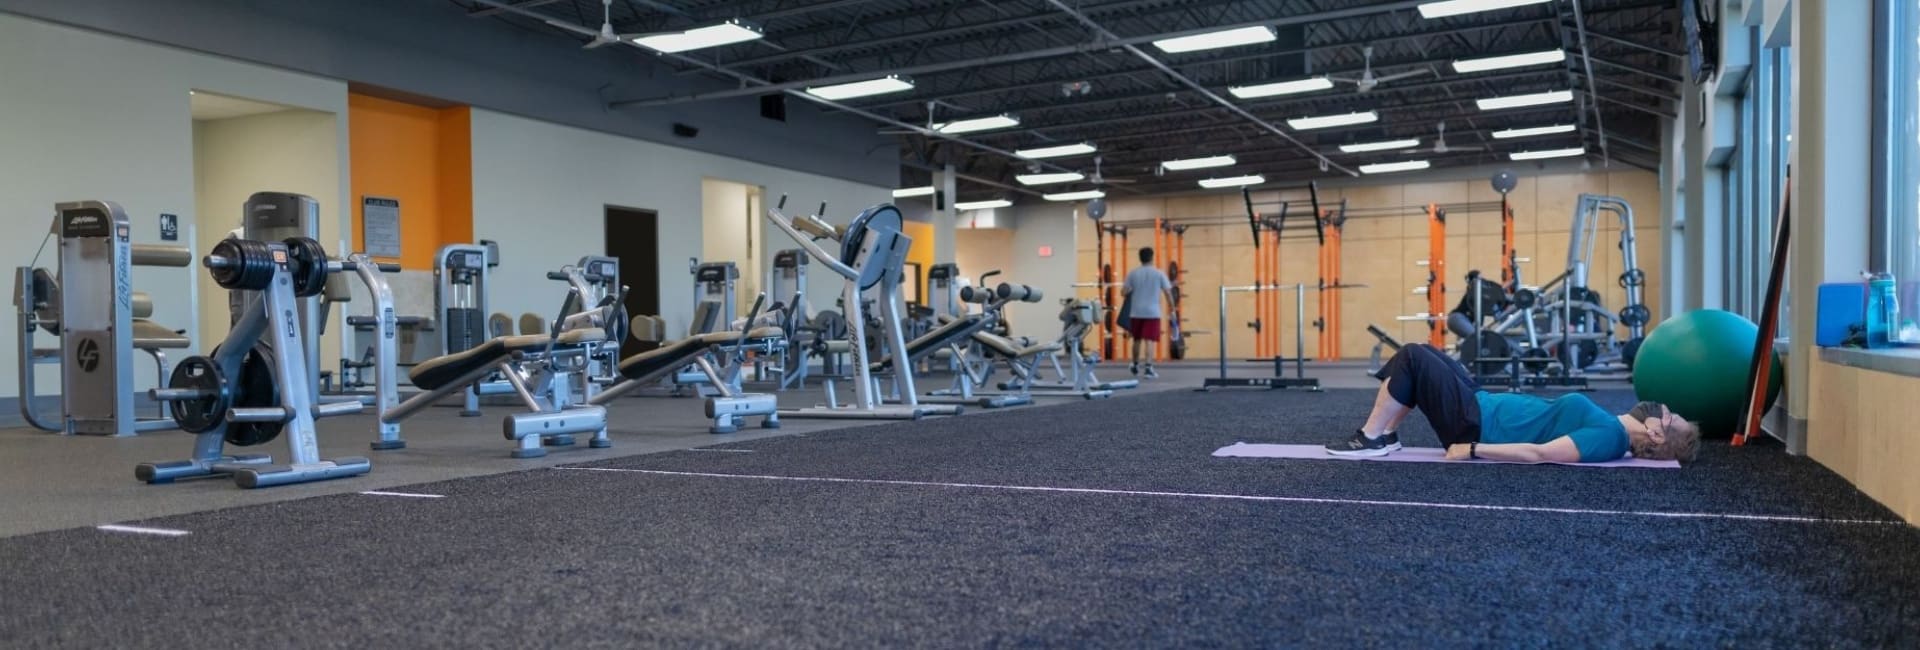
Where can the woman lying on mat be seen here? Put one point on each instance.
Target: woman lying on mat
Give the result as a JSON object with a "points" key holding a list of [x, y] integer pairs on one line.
{"points": [[1510, 426]]}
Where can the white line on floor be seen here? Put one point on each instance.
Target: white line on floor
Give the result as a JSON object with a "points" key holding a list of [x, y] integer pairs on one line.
{"points": [[1255, 497], [730, 451], [415, 495], [142, 530]]}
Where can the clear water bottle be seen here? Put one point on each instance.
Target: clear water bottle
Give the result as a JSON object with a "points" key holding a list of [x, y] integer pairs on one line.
{"points": [[1883, 310]]}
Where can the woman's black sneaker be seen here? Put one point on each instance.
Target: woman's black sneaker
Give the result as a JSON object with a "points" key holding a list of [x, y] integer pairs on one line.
{"points": [[1360, 445]]}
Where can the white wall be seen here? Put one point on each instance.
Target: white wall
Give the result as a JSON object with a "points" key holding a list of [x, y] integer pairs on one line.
{"points": [[89, 116], [288, 151], [541, 190], [731, 233], [1034, 226], [979, 250]]}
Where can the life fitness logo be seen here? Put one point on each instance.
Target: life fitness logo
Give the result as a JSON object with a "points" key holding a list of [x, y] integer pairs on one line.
{"points": [[88, 354]]}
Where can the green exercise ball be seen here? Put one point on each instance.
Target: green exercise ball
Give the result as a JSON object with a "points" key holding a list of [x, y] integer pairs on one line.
{"points": [[1697, 364]]}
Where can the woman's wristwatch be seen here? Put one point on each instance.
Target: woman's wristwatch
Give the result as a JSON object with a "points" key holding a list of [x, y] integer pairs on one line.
{"points": [[1473, 450]]}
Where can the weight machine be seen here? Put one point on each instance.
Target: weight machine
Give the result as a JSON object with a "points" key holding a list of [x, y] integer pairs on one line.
{"points": [[91, 306], [1266, 289], [253, 386]]}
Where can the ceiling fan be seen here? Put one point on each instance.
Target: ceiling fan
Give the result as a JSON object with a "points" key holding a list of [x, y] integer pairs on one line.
{"points": [[606, 36], [1440, 142], [1367, 80], [1098, 179]]}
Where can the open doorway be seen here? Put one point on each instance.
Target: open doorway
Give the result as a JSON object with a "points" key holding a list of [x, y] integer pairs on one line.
{"points": [[242, 146], [633, 237], [730, 232]]}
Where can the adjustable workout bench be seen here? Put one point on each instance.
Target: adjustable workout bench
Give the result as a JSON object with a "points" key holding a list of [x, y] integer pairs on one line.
{"points": [[535, 365], [727, 408]]}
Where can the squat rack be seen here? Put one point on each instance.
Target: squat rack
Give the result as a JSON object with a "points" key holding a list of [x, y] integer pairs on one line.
{"points": [[1266, 290]]}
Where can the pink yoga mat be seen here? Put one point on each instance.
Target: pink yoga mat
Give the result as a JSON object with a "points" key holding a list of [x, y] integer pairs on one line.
{"points": [[1407, 455]]}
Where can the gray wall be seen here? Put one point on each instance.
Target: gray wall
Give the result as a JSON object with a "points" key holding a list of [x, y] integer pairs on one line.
{"points": [[1037, 224], [431, 48]]}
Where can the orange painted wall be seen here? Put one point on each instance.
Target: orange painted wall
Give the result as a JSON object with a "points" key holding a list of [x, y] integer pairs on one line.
{"points": [[421, 156], [922, 251]]}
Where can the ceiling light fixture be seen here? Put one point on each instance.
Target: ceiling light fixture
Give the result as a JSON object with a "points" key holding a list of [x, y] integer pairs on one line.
{"points": [[1216, 40], [983, 205], [887, 84], [1532, 131], [1293, 87], [907, 192], [1237, 181], [976, 124], [699, 38], [1185, 164], [1049, 179], [1509, 61], [1549, 153], [1388, 168], [1081, 195], [1457, 7], [1056, 151], [1329, 121], [1385, 145], [1519, 101]]}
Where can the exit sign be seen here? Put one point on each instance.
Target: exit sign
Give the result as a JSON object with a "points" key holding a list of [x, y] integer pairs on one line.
{"points": [[1046, 251]]}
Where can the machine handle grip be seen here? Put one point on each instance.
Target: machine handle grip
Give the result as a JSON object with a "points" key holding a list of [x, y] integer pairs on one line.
{"points": [[158, 255], [387, 267], [556, 275], [1020, 292]]}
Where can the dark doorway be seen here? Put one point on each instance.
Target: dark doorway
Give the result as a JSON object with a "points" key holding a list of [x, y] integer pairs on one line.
{"points": [[633, 236]]}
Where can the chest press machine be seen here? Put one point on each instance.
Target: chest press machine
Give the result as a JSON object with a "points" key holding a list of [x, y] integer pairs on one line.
{"points": [[91, 305]]}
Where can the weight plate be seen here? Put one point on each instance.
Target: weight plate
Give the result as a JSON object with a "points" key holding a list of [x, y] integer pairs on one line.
{"points": [[1632, 278], [1173, 272], [249, 264], [1486, 344], [1536, 359], [203, 414], [254, 388], [1525, 298], [1635, 315], [1629, 351], [307, 261]]}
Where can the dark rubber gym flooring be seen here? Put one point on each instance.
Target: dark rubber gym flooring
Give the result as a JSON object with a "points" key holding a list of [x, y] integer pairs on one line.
{"points": [[1093, 524]]}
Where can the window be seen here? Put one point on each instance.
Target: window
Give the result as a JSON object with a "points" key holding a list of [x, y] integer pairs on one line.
{"points": [[1752, 178], [1900, 130]]}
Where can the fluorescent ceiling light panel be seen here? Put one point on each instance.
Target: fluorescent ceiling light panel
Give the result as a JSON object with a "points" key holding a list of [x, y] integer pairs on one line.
{"points": [[982, 205], [1216, 40], [1387, 168], [1329, 121], [906, 192], [1081, 195], [698, 38], [977, 124], [1532, 131], [1518, 101], [1385, 145], [1549, 153], [1509, 61], [1185, 164], [1457, 7], [1237, 181], [1049, 179], [1281, 88], [881, 86], [1056, 151]]}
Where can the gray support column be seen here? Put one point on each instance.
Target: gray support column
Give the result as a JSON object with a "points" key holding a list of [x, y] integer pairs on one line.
{"points": [[944, 216], [1832, 121]]}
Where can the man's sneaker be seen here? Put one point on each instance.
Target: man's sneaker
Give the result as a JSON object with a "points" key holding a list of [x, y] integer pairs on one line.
{"points": [[1360, 445], [1151, 374], [1135, 369]]}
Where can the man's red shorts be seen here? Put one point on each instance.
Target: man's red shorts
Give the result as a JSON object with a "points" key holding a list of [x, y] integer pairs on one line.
{"points": [[1147, 329]]}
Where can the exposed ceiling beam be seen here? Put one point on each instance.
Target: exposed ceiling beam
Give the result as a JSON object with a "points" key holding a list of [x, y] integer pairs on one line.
{"points": [[1050, 52], [523, 4]]}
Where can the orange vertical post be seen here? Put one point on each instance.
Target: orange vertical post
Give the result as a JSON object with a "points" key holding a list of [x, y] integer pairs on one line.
{"points": [[1436, 275], [1507, 263]]}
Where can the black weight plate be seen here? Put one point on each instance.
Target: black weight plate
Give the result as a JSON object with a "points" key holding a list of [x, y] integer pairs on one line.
{"points": [[307, 261], [1525, 298], [254, 388], [1537, 359], [1634, 315], [1173, 272], [1485, 344], [204, 414], [1630, 351], [1632, 278]]}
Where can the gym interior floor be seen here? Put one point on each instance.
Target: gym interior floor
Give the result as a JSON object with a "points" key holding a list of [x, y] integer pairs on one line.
{"points": [[1097, 524]]}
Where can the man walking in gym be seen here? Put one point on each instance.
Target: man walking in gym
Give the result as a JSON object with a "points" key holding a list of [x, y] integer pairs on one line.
{"points": [[1143, 289], [1516, 427]]}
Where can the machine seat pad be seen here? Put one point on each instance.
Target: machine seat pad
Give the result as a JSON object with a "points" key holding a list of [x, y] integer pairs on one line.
{"points": [[148, 335], [1008, 348], [436, 372], [678, 353], [950, 330]]}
